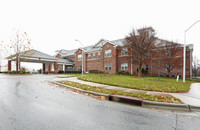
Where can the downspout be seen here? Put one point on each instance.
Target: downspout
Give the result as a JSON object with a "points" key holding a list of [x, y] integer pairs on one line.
{"points": [[131, 61], [191, 64], [85, 62]]}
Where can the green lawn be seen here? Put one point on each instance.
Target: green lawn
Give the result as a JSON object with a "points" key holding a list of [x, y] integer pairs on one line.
{"points": [[144, 83], [157, 98]]}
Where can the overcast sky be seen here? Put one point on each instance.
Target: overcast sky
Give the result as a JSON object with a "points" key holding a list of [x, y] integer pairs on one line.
{"points": [[55, 24]]}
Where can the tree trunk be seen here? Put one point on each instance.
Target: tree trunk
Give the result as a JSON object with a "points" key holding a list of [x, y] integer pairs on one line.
{"points": [[159, 70], [169, 74], [139, 70], [17, 62]]}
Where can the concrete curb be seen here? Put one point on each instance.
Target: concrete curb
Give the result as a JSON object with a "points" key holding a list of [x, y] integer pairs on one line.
{"points": [[194, 108], [83, 91], [137, 101], [171, 106], [126, 99]]}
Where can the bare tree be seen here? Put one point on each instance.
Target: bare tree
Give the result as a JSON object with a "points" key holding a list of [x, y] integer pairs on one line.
{"points": [[2, 53], [170, 59], [20, 42], [140, 42], [195, 67]]}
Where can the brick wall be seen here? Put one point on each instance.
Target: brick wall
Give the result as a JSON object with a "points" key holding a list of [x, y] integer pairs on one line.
{"points": [[117, 59], [77, 62]]}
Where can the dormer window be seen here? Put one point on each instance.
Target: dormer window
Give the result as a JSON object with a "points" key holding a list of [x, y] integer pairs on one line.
{"points": [[79, 57], [89, 56], [124, 51], [93, 55], [108, 53], [99, 54]]}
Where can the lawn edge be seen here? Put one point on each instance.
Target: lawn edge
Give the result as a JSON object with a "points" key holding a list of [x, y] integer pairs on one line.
{"points": [[136, 101], [132, 88]]}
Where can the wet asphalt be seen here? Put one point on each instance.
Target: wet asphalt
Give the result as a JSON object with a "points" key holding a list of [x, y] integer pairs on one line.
{"points": [[31, 103]]}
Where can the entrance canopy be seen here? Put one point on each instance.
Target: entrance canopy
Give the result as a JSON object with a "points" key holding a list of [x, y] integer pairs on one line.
{"points": [[36, 56]]}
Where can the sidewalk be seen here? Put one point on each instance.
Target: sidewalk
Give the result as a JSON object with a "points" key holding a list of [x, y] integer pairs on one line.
{"points": [[190, 98]]}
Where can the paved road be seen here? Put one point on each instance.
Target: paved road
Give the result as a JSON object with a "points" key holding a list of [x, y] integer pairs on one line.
{"points": [[30, 103]]}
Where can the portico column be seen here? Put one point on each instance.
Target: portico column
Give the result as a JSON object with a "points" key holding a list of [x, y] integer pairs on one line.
{"points": [[52, 67], [55, 67], [49, 68], [64, 68], [43, 68], [9, 65]]}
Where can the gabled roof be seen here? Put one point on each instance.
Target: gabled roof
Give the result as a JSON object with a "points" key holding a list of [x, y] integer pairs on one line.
{"points": [[64, 61], [97, 46], [65, 53], [119, 42], [102, 42], [86, 48], [34, 54], [39, 57]]}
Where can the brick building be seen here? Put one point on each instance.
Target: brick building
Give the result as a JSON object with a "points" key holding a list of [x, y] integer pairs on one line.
{"points": [[113, 57]]}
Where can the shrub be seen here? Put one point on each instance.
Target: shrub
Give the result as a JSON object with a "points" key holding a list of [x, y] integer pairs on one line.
{"points": [[101, 72], [69, 72], [123, 72], [16, 72], [94, 71], [127, 73]]}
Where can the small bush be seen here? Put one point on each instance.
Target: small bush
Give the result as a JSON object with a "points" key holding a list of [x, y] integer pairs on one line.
{"points": [[69, 72], [126, 73], [94, 71], [123, 72], [16, 72], [101, 72]]}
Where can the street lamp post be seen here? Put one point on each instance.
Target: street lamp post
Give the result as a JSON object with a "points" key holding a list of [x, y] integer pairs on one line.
{"points": [[184, 52], [82, 53]]}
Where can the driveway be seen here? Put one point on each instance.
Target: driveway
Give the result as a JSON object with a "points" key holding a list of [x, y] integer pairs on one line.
{"points": [[30, 103]]}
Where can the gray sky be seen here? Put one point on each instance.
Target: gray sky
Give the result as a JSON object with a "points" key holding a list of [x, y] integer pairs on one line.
{"points": [[55, 24]]}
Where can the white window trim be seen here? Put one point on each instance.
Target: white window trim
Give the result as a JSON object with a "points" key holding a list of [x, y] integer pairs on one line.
{"points": [[99, 54], [110, 66], [108, 53], [94, 56], [123, 66], [106, 66], [80, 59], [89, 55], [123, 50]]}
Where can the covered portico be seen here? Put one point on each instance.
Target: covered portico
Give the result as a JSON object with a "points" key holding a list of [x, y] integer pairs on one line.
{"points": [[50, 64]]}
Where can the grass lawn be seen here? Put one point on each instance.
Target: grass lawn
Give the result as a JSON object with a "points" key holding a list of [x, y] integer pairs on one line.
{"points": [[157, 98], [144, 83]]}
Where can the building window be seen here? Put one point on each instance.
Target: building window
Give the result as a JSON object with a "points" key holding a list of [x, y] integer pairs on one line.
{"points": [[89, 56], [79, 57], [146, 54], [108, 53], [79, 68], [168, 52], [147, 67], [167, 66], [110, 66], [106, 67], [150, 68], [124, 51], [124, 66], [99, 54], [94, 55]]}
